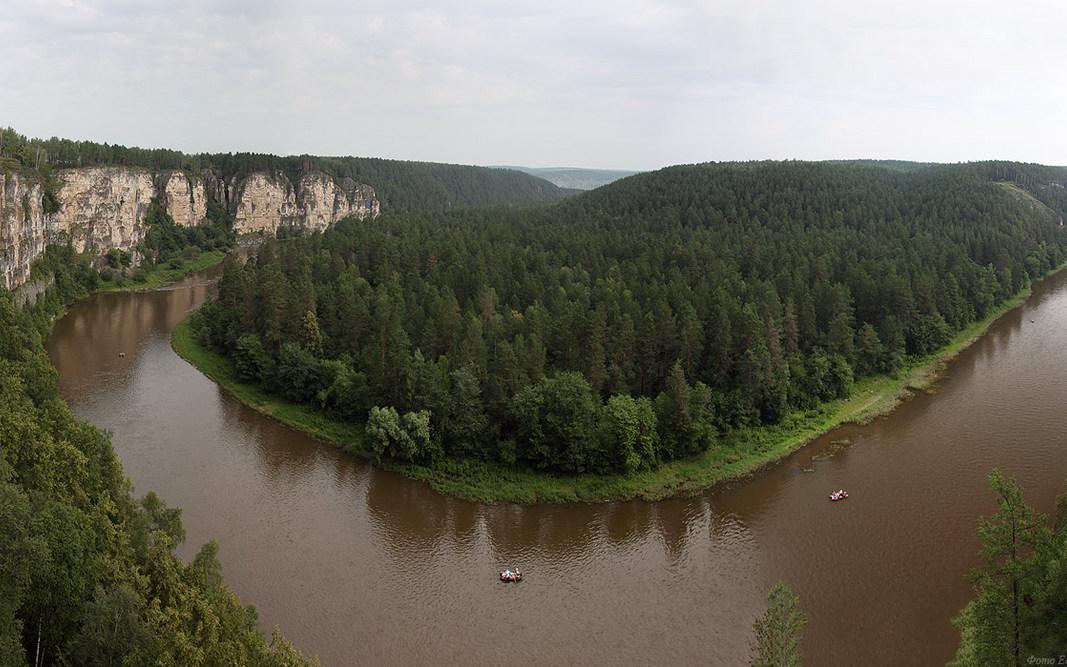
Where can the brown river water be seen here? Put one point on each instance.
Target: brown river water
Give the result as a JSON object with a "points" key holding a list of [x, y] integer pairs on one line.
{"points": [[365, 567]]}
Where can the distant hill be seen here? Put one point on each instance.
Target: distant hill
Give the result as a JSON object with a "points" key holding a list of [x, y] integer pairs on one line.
{"points": [[895, 165], [574, 178]]}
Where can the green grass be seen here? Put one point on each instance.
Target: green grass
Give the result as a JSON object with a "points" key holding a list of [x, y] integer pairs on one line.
{"points": [[738, 454], [221, 370], [164, 274]]}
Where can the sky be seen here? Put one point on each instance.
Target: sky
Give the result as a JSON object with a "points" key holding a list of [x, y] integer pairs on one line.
{"points": [[627, 84]]}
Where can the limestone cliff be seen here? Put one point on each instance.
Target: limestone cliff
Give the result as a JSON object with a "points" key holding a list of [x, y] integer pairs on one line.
{"points": [[185, 199], [265, 202], [101, 208], [326, 201], [23, 227]]}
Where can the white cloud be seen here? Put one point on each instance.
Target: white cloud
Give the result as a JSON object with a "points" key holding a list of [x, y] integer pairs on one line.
{"points": [[631, 83]]}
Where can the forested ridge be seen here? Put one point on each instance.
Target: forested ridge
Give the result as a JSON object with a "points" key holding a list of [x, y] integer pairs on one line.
{"points": [[638, 323], [399, 184], [88, 574]]}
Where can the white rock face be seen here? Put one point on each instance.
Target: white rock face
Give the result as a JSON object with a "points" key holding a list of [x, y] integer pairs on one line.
{"points": [[185, 199], [326, 202], [23, 227], [103, 207], [266, 202]]}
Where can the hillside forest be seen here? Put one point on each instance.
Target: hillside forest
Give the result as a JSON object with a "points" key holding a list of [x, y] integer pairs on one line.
{"points": [[638, 323]]}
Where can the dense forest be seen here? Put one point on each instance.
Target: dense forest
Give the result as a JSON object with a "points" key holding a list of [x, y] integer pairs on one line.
{"points": [[88, 574], [400, 185], [640, 322], [1019, 613]]}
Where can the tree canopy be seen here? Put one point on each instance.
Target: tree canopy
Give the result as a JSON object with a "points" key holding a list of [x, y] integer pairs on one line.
{"points": [[88, 574], [637, 323], [1019, 610]]}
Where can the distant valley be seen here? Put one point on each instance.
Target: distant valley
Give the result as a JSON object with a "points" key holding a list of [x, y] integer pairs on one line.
{"points": [[574, 178]]}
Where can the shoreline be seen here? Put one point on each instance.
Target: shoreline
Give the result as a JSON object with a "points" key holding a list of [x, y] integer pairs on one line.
{"points": [[740, 454], [157, 279], [162, 275]]}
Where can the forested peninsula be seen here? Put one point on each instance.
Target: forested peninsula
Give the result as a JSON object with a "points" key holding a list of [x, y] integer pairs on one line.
{"points": [[88, 572], [651, 337]]}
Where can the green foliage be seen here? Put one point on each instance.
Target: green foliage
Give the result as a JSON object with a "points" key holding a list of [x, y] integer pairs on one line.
{"points": [[312, 334], [631, 432], [88, 575], [778, 631], [166, 242], [253, 362], [555, 424], [730, 296], [929, 333], [685, 414], [403, 438], [1019, 607], [298, 375], [112, 627], [467, 425]]}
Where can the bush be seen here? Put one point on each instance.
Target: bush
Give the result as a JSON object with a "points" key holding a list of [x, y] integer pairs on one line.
{"points": [[405, 438], [252, 361]]}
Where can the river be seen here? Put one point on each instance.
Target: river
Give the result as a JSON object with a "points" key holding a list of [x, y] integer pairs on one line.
{"points": [[362, 566]]}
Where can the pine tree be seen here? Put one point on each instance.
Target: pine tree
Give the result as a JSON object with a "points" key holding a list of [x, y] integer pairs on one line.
{"points": [[467, 425], [312, 334], [994, 623], [778, 631]]}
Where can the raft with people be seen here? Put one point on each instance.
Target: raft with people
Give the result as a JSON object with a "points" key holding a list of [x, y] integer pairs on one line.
{"points": [[840, 494], [511, 576]]}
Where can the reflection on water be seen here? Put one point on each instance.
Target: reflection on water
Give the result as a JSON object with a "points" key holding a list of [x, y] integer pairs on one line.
{"points": [[363, 566]]}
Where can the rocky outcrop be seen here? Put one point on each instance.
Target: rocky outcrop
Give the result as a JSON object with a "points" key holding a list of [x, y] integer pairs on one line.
{"points": [[326, 201], [185, 198], [264, 202], [101, 208], [23, 227]]}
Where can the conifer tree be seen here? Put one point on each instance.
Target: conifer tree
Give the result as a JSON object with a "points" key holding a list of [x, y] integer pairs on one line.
{"points": [[778, 631]]}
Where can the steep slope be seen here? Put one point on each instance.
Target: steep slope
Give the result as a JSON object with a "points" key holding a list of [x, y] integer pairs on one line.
{"points": [[96, 196], [95, 209]]}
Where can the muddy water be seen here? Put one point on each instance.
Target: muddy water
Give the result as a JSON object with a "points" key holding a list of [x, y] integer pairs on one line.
{"points": [[365, 567]]}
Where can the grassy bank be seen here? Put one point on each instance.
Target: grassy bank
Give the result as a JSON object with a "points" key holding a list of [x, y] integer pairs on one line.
{"points": [[163, 274], [740, 453]]}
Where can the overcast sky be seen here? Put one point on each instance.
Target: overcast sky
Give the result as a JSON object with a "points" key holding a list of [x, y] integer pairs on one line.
{"points": [[624, 84]]}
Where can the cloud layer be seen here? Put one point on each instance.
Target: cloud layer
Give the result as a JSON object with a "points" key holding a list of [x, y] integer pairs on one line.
{"points": [[627, 84]]}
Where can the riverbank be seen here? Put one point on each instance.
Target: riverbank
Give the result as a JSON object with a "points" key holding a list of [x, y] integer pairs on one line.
{"points": [[57, 299], [740, 453], [164, 274]]}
